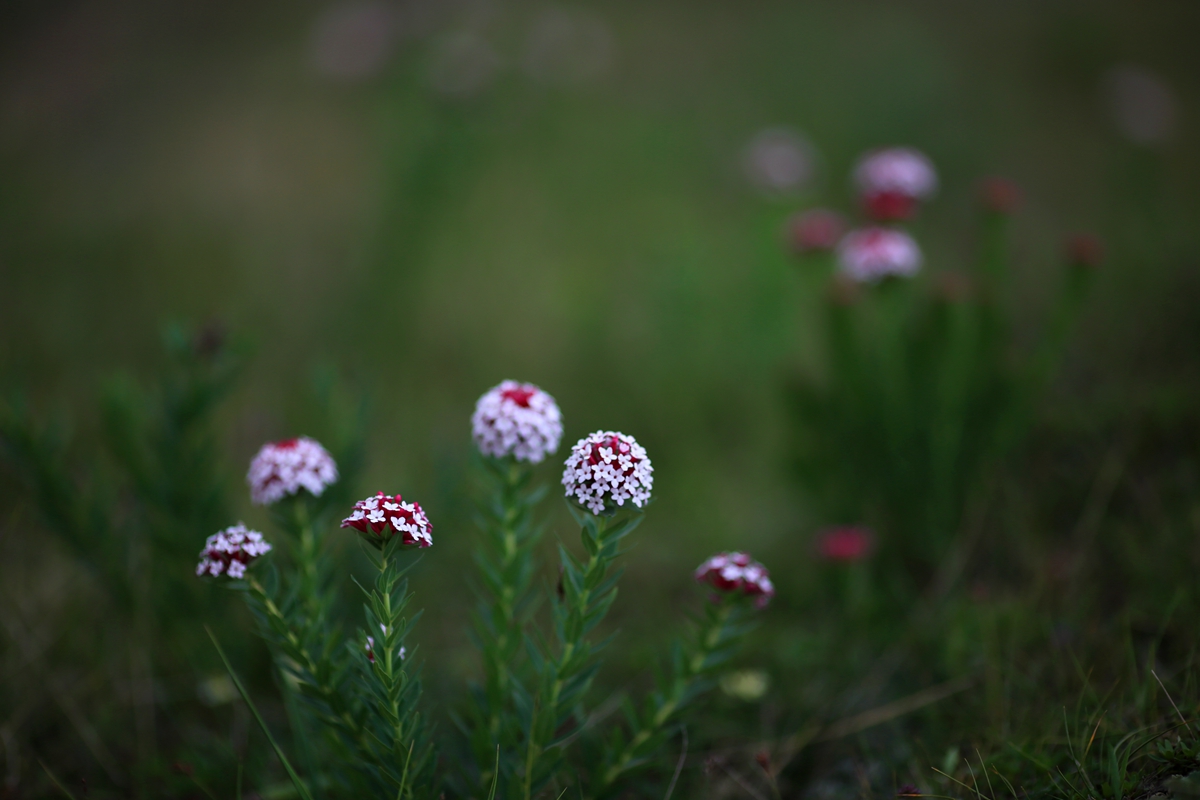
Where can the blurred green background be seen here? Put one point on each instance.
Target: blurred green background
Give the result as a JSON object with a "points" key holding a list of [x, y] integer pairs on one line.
{"points": [[426, 198]]}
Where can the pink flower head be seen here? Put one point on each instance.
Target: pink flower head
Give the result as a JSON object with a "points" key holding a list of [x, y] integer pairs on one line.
{"points": [[608, 467], [737, 572], [892, 181], [815, 231], [230, 551], [518, 420], [284, 468], [385, 515], [871, 254], [846, 544]]}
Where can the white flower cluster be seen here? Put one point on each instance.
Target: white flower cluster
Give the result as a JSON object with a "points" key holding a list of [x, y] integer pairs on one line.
{"points": [[870, 254], [230, 551], [518, 420], [737, 572], [284, 468], [376, 514], [608, 467], [899, 170]]}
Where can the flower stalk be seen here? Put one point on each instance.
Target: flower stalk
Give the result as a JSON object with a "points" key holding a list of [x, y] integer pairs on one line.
{"points": [[506, 567], [714, 639], [588, 591]]}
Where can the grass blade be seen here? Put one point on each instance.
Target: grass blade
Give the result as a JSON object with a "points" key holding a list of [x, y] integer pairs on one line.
{"points": [[56, 781], [301, 789]]}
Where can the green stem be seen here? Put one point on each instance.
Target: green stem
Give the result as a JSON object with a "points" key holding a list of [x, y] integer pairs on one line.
{"points": [[294, 649], [715, 634], [588, 593]]}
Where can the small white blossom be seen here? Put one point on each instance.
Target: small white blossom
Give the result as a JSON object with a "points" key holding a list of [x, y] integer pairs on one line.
{"points": [[608, 468], [230, 551], [284, 468], [869, 254], [518, 420]]}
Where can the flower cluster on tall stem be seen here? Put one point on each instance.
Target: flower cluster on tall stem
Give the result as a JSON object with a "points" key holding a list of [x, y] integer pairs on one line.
{"points": [[741, 584]]}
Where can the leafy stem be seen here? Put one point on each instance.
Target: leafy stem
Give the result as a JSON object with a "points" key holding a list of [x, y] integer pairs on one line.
{"points": [[712, 642], [588, 592]]}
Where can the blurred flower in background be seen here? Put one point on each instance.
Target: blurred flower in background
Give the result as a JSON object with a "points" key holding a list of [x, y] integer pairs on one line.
{"points": [[845, 544], [518, 420], [354, 41], [871, 254], [567, 46], [891, 182], [1142, 105], [779, 161], [230, 551], [814, 231], [462, 65], [284, 468]]}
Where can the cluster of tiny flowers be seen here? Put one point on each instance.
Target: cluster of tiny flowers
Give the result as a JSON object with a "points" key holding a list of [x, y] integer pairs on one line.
{"points": [[518, 420], [230, 551], [370, 647], [608, 467], [893, 181], [737, 572], [385, 514], [871, 254], [284, 468]]}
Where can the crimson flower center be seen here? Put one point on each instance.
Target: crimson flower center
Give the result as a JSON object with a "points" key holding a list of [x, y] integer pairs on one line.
{"points": [[519, 396]]}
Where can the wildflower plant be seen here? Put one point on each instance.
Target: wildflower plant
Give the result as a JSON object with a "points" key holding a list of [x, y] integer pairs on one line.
{"points": [[354, 701], [921, 397]]}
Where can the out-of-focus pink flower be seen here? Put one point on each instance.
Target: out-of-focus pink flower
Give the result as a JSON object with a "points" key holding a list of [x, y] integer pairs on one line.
{"points": [[385, 515], [892, 181], [815, 231], [999, 195], [870, 254], [845, 544], [518, 420], [1142, 104], [1084, 250], [779, 161], [737, 572], [354, 40], [284, 468], [230, 551], [608, 468]]}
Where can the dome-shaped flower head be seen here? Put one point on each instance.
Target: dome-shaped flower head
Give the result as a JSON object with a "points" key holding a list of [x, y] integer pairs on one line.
{"points": [[518, 420], [849, 543], [815, 231], [384, 516], [284, 468], [606, 469], [230, 551], [871, 254], [892, 181], [737, 572]]}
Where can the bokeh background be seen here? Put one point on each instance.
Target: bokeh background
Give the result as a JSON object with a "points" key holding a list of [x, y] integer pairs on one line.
{"points": [[424, 198]]}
